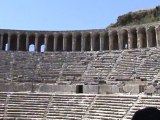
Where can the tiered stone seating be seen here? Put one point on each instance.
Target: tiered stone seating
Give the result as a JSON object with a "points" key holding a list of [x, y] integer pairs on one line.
{"points": [[110, 107], [24, 67], [148, 69], [80, 67], [3, 99], [145, 101], [5, 66], [36, 106], [50, 67], [27, 106], [69, 107], [101, 66], [75, 65], [126, 65]]}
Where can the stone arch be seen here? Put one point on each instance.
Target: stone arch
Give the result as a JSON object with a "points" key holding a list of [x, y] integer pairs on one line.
{"points": [[115, 40], [78, 42], [13, 42], [41, 46], [96, 41], [133, 38], [151, 37], [5, 42], [31, 42], [50, 43], [124, 35], [22, 42], [60, 42], [142, 37], [69, 42], [105, 46], [87, 42]]}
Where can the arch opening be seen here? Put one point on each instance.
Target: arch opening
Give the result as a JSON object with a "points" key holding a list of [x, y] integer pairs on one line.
{"points": [[22, 42], [133, 38], [60, 42], [96, 42], [5, 42], [152, 37], [143, 38], [13, 42], [105, 46], [125, 39], [78, 42], [69, 42], [31, 43], [87, 46], [50, 43], [115, 40], [41, 46]]}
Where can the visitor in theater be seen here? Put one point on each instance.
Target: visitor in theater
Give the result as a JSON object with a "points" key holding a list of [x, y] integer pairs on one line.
{"points": [[149, 113]]}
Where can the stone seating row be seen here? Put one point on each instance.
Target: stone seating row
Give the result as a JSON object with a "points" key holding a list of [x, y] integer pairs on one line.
{"points": [[79, 66]]}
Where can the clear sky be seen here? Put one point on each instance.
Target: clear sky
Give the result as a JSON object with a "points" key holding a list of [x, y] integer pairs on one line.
{"points": [[66, 14]]}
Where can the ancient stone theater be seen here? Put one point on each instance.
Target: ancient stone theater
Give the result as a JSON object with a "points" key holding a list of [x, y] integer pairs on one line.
{"points": [[104, 74]]}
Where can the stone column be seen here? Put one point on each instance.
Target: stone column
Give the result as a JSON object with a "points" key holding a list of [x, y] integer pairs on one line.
{"points": [[27, 42], [158, 36], [130, 39], [1, 44], [92, 41], [82, 42], [139, 39], [9, 42], [101, 41], [55, 41], [110, 40], [64, 42], [120, 40], [36, 42], [148, 37], [46, 42], [73, 41], [18, 41]]}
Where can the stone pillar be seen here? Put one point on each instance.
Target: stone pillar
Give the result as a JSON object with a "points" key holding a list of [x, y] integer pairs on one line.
{"points": [[110, 40], [9, 42], [1, 44], [18, 41], [73, 41], [64, 42], [36, 42], [82, 42], [27, 42], [55, 41], [46, 42], [130, 39], [158, 36], [120, 40], [101, 41], [139, 39], [148, 37], [92, 40]]}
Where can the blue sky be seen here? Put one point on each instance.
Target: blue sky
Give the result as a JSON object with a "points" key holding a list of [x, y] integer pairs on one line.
{"points": [[66, 14]]}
